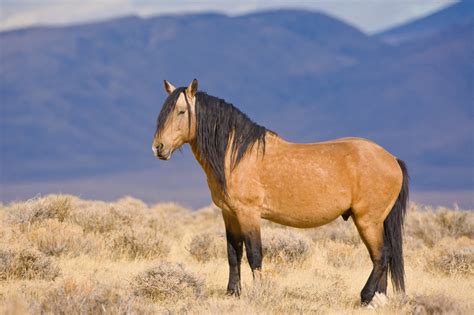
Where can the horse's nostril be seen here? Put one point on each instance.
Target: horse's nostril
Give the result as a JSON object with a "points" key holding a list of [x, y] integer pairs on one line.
{"points": [[159, 147]]}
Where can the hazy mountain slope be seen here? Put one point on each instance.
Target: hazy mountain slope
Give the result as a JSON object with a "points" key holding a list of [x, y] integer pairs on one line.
{"points": [[81, 101], [459, 14]]}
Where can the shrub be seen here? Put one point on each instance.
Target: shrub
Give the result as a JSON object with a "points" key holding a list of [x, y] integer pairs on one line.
{"points": [[38, 209], [430, 226], [344, 255], [284, 246], [452, 257], [456, 262], [90, 297], [25, 264], [54, 238], [206, 246], [168, 282], [98, 218], [434, 304], [170, 219], [135, 243]]}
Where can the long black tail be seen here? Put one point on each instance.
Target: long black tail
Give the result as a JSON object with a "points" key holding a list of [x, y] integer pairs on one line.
{"points": [[393, 233]]}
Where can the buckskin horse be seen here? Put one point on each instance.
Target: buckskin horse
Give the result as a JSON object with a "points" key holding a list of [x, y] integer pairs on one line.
{"points": [[253, 173]]}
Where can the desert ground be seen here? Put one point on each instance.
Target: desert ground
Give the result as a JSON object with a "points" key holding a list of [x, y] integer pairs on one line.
{"points": [[60, 254]]}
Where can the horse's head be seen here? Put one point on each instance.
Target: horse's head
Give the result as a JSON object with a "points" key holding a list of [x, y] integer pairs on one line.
{"points": [[176, 123]]}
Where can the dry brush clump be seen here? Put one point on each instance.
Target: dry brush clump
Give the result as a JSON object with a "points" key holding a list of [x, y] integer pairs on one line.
{"points": [[434, 304], [134, 243], [452, 257], [281, 245], [205, 247], [26, 264], [40, 208], [111, 256], [102, 217], [426, 226], [340, 254], [170, 282], [55, 238], [70, 296]]}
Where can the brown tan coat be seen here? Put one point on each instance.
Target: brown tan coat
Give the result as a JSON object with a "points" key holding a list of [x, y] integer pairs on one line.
{"points": [[299, 185]]}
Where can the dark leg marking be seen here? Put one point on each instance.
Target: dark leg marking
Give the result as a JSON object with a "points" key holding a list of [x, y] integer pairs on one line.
{"points": [[234, 255], [382, 285], [377, 281], [253, 247]]}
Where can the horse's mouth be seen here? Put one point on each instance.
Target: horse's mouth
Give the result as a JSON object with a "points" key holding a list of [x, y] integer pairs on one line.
{"points": [[164, 156]]}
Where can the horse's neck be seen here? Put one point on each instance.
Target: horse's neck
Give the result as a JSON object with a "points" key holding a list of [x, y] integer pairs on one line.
{"points": [[216, 191], [198, 156]]}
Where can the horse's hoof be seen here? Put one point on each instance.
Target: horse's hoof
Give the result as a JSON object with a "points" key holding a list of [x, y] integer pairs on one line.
{"points": [[379, 300], [233, 292]]}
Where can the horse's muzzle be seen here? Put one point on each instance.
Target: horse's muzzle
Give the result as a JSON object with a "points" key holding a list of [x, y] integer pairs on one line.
{"points": [[159, 152]]}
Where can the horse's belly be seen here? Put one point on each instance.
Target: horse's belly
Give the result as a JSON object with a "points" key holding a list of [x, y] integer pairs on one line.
{"points": [[305, 218], [305, 209]]}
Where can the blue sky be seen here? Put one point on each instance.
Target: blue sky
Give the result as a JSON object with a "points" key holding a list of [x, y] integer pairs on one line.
{"points": [[368, 15]]}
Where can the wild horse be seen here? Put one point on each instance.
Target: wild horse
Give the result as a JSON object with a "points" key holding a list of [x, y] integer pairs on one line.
{"points": [[253, 173]]}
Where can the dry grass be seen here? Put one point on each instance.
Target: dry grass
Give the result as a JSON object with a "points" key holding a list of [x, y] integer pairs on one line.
{"points": [[63, 255]]}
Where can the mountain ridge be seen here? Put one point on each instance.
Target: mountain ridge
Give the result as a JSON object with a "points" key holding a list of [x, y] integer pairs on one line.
{"points": [[81, 101]]}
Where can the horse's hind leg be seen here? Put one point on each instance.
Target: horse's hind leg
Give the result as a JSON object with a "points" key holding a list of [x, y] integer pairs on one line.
{"points": [[372, 235]]}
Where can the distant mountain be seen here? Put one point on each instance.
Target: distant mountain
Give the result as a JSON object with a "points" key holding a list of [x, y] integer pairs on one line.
{"points": [[74, 94], [81, 102], [459, 14]]}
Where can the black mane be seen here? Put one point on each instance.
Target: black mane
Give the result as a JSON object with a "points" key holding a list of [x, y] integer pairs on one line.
{"points": [[218, 122]]}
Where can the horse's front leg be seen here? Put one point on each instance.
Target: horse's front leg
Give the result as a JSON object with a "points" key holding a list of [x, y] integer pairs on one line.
{"points": [[234, 252], [250, 227]]}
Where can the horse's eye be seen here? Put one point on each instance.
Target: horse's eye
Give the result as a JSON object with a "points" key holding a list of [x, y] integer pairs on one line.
{"points": [[181, 112]]}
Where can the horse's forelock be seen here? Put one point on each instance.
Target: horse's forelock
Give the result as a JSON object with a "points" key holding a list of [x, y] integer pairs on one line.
{"points": [[167, 108]]}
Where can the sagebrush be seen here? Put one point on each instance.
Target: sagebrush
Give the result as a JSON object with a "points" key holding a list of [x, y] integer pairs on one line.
{"points": [[60, 254]]}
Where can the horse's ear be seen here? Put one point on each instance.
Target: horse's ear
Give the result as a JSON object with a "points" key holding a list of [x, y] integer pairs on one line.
{"points": [[169, 87], [192, 88]]}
